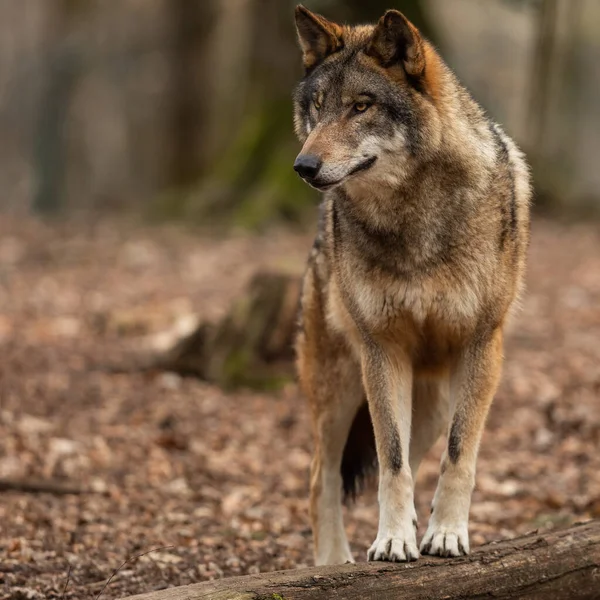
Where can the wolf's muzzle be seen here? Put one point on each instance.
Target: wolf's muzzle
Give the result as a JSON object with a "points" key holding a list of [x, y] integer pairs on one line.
{"points": [[307, 166]]}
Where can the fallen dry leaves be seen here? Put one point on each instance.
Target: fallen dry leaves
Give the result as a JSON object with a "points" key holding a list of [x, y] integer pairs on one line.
{"points": [[218, 482]]}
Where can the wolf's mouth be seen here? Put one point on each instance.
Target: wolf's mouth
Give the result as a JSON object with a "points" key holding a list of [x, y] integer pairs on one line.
{"points": [[363, 166]]}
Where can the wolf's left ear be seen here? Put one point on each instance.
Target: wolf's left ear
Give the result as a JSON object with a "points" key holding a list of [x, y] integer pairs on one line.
{"points": [[396, 40], [318, 37]]}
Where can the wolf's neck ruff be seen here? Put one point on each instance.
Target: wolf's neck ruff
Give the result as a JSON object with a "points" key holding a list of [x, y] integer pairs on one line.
{"points": [[417, 222], [402, 247]]}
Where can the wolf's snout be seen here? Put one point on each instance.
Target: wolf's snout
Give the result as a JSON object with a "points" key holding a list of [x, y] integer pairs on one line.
{"points": [[307, 165]]}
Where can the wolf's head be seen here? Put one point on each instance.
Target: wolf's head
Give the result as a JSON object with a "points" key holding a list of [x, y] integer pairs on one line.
{"points": [[366, 108]]}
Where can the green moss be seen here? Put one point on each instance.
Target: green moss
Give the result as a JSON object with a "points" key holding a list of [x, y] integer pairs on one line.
{"points": [[239, 370], [267, 383], [235, 368], [546, 520], [278, 195], [252, 184]]}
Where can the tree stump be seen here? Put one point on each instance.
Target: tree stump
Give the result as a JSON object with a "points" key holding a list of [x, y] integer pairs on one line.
{"points": [[252, 345]]}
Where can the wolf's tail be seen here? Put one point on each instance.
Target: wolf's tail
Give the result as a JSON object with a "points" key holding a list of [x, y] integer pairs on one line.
{"points": [[359, 460]]}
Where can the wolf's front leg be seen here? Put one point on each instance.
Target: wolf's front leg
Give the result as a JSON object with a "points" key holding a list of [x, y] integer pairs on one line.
{"points": [[474, 383], [388, 383]]}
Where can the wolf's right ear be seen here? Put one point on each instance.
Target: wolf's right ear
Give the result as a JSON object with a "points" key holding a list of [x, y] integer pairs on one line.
{"points": [[318, 37], [396, 40]]}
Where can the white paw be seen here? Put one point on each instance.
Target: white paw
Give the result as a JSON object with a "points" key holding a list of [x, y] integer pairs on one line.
{"points": [[394, 549], [441, 540]]}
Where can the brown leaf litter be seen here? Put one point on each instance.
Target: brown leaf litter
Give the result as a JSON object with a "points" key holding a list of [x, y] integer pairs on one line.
{"points": [[219, 481]]}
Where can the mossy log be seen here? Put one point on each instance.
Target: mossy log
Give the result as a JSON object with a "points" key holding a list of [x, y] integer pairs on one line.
{"points": [[560, 565], [252, 345]]}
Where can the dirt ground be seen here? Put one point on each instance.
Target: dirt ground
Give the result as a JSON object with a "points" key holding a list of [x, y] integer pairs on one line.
{"points": [[218, 482]]}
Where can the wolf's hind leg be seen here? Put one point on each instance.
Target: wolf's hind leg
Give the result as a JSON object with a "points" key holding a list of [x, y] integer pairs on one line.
{"points": [[330, 377], [331, 431], [473, 384], [334, 403]]}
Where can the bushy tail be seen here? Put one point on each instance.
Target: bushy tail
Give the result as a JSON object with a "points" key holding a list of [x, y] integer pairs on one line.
{"points": [[359, 460]]}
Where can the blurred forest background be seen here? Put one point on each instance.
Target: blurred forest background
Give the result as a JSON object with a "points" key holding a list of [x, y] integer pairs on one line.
{"points": [[182, 108], [123, 121]]}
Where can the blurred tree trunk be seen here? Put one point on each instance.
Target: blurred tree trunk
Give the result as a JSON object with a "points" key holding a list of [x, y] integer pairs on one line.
{"points": [[543, 72], [190, 22], [230, 44], [555, 103], [251, 64], [64, 67]]}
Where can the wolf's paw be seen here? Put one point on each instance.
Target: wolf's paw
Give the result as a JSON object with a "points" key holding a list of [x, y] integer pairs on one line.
{"points": [[445, 541], [393, 549]]}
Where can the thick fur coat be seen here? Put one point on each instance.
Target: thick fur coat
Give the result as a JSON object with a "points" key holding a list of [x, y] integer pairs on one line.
{"points": [[419, 258]]}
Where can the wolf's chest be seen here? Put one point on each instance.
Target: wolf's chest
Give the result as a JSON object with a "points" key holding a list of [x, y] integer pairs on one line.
{"points": [[381, 305], [384, 306]]}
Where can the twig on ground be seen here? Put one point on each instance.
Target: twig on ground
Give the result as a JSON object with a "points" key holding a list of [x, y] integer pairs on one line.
{"points": [[66, 583], [128, 560], [40, 486]]}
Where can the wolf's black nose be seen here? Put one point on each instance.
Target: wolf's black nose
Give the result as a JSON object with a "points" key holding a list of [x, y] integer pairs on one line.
{"points": [[307, 165]]}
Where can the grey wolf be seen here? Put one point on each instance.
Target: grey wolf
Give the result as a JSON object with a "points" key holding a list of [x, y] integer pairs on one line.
{"points": [[418, 261]]}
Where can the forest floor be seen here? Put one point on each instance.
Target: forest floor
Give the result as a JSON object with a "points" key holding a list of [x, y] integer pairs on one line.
{"points": [[218, 481]]}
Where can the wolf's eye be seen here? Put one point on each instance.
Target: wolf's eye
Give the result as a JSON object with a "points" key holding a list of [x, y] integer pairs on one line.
{"points": [[317, 102], [361, 107]]}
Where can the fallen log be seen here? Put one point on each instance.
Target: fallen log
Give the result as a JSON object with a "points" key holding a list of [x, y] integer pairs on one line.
{"points": [[562, 564]]}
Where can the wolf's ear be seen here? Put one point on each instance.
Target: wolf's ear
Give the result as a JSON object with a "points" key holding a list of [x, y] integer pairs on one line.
{"points": [[318, 37], [395, 39]]}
